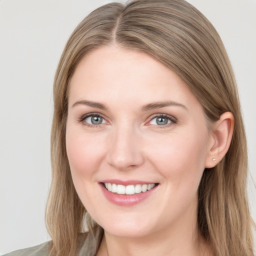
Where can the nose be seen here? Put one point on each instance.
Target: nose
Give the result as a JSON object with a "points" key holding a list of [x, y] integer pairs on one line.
{"points": [[125, 149]]}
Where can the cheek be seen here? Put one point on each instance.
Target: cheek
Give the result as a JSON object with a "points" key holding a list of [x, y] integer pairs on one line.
{"points": [[84, 152], [180, 157], [180, 161]]}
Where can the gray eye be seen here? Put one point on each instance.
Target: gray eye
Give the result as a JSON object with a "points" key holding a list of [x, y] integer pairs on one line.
{"points": [[94, 120], [160, 120]]}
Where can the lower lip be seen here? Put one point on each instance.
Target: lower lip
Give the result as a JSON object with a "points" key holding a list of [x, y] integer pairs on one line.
{"points": [[126, 200]]}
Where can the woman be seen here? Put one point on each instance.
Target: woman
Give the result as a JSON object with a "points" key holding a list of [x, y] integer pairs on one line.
{"points": [[148, 143]]}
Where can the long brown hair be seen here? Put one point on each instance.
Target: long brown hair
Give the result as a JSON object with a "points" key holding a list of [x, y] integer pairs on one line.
{"points": [[180, 37]]}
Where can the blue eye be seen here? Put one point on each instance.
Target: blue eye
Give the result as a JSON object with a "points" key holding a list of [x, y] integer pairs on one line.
{"points": [[162, 120], [94, 120]]}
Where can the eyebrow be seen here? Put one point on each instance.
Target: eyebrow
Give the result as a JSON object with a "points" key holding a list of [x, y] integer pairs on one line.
{"points": [[150, 106], [162, 104], [90, 104]]}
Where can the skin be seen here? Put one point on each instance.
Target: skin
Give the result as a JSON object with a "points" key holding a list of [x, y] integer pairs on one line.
{"points": [[129, 144]]}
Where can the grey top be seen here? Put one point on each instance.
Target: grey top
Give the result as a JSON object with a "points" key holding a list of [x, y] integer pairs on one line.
{"points": [[44, 249], [39, 250]]}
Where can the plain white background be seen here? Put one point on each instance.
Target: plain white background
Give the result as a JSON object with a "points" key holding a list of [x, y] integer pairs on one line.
{"points": [[32, 36]]}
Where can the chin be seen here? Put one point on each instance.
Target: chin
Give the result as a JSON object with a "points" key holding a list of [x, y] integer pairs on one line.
{"points": [[129, 228], [127, 232]]}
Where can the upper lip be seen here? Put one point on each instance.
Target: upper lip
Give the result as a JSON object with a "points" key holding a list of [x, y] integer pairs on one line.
{"points": [[127, 182]]}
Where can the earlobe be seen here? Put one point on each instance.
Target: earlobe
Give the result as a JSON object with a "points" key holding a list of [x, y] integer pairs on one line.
{"points": [[221, 133]]}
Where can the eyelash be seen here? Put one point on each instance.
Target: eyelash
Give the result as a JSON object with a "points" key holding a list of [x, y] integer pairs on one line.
{"points": [[172, 119], [82, 119]]}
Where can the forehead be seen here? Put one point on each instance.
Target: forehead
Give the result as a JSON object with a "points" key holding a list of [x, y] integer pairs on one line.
{"points": [[113, 74]]}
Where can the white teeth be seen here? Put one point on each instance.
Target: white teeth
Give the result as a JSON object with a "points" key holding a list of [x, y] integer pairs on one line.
{"points": [[120, 189], [114, 188], [150, 186], [138, 188], [129, 189], [109, 187], [144, 188]]}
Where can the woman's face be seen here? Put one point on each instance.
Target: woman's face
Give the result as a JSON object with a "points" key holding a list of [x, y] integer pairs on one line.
{"points": [[137, 143]]}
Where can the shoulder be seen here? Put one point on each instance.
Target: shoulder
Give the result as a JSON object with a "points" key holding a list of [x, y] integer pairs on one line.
{"points": [[39, 250], [44, 249]]}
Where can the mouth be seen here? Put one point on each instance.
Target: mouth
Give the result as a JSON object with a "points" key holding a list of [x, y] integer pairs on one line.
{"points": [[130, 189], [127, 193]]}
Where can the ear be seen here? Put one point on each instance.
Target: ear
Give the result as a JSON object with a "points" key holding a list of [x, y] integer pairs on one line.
{"points": [[221, 135]]}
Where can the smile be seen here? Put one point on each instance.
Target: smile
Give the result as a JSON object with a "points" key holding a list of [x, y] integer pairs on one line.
{"points": [[129, 189], [127, 193]]}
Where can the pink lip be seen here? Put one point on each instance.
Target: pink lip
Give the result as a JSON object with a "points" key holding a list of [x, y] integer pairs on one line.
{"points": [[126, 182], [126, 200]]}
